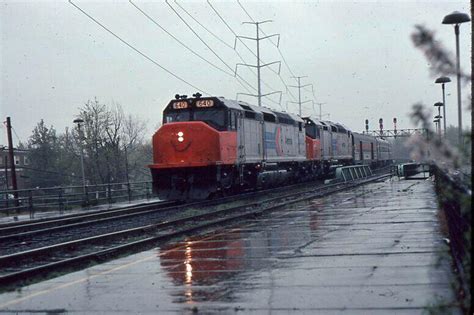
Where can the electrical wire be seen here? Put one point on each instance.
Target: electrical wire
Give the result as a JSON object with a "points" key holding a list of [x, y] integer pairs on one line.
{"points": [[50, 172], [210, 48], [16, 135], [278, 48], [200, 24], [251, 51], [138, 51], [179, 41], [238, 54]]}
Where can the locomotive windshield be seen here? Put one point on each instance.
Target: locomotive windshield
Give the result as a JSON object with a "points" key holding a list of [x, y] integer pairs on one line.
{"points": [[213, 117], [312, 131], [181, 115]]}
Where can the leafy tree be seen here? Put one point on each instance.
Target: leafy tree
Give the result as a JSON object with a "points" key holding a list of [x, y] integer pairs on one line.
{"points": [[454, 189], [112, 144], [44, 156]]}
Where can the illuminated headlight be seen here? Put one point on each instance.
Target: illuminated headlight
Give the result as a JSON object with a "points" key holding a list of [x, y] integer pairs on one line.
{"points": [[180, 134], [180, 139]]}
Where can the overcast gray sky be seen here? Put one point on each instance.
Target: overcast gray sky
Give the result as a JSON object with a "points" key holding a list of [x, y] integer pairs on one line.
{"points": [[358, 55]]}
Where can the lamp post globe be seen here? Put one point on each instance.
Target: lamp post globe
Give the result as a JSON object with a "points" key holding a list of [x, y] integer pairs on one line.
{"points": [[457, 18]]}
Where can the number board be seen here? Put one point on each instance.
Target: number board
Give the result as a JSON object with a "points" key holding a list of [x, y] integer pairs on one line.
{"points": [[205, 103], [180, 105]]}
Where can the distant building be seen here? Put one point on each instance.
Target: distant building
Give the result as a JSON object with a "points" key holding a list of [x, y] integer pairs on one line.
{"points": [[21, 161]]}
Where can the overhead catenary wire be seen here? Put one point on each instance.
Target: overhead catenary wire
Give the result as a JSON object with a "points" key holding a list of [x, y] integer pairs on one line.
{"points": [[209, 31], [279, 75], [210, 48], [278, 48], [186, 46], [200, 24], [251, 51], [227, 45], [178, 40], [138, 51]]}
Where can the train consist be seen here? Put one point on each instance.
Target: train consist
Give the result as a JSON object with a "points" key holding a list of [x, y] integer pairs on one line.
{"points": [[211, 146]]}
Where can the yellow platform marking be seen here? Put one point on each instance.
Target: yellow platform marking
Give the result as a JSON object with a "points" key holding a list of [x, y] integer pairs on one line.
{"points": [[65, 285]]}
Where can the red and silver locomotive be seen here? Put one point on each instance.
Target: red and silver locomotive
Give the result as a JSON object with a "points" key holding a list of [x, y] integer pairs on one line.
{"points": [[210, 146]]}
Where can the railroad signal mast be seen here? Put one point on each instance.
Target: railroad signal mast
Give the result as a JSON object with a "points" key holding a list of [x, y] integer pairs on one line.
{"points": [[393, 133], [257, 39]]}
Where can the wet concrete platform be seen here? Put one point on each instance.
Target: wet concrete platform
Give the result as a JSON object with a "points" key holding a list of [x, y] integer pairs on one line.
{"points": [[377, 249]]}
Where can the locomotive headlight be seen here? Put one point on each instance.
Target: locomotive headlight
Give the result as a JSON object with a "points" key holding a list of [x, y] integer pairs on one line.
{"points": [[180, 136]]}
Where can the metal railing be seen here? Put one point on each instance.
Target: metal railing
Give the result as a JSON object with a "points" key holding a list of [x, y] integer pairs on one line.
{"points": [[67, 198], [413, 170], [353, 172], [454, 197]]}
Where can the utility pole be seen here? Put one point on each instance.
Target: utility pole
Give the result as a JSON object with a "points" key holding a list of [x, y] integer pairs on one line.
{"points": [[12, 162], [5, 162], [299, 86], [259, 94]]}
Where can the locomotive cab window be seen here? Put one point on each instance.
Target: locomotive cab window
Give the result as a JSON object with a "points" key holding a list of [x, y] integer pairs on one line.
{"points": [[175, 116], [312, 131], [215, 118], [269, 117]]}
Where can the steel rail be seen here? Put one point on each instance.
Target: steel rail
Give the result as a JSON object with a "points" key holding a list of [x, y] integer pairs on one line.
{"points": [[52, 253], [41, 225], [27, 237], [63, 221], [16, 230]]}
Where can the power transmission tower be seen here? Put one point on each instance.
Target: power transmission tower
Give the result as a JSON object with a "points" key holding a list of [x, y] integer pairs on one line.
{"points": [[299, 86], [258, 66], [320, 112]]}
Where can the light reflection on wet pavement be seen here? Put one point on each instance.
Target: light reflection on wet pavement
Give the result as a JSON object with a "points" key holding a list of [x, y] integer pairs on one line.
{"points": [[374, 249]]}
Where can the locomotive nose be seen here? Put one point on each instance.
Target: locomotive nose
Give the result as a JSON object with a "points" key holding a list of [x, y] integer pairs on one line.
{"points": [[180, 141]]}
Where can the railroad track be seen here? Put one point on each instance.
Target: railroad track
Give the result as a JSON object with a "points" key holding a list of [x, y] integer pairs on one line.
{"points": [[27, 236], [16, 230], [44, 223], [72, 255]]}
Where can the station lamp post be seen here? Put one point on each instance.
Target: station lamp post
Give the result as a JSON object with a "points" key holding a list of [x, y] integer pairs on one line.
{"points": [[442, 81], [79, 122], [438, 118], [436, 121], [439, 105], [457, 18]]}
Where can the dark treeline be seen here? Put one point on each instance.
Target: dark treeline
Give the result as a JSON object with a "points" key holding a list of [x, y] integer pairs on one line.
{"points": [[116, 148]]}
